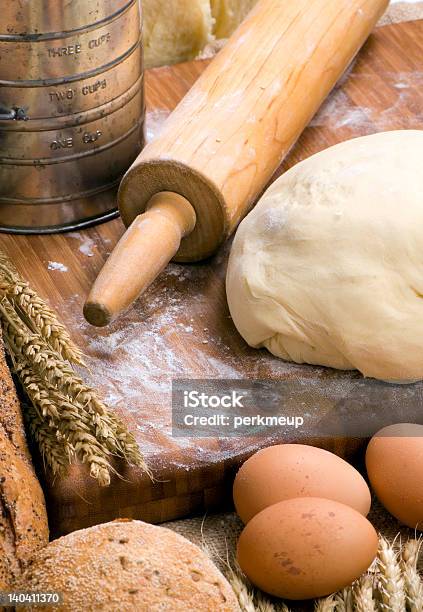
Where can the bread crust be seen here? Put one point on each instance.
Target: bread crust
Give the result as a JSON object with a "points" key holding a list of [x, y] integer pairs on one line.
{"points": [[23, 516], [126, 566], [11, 421]]}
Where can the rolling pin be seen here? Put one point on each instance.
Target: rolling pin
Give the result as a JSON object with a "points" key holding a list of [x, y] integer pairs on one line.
{"points": [[189, 189]]}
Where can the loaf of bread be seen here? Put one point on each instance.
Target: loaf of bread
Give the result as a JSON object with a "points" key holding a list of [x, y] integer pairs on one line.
{"points": [[23, 518], [178, 30], [127, 566]]}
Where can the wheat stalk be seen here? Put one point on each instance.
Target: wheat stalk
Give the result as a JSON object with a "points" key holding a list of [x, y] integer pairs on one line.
{"points": [[243, 593], [33, 349], [55, 453], [263, 604], [412, 580], [106, 427], [413, 589], [410, 553], [363, 594], [282, 607], [345, 600], [67, 418], [36, 313], [328, 604], [391, 581], [58, 406], [64, 422]]}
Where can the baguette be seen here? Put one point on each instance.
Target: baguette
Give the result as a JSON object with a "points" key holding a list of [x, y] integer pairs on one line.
{"points": [[23, 517]]}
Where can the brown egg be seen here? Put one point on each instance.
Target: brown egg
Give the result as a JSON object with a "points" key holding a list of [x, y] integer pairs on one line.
{"points": [[286, 471], [394, 461], [306, 547]]}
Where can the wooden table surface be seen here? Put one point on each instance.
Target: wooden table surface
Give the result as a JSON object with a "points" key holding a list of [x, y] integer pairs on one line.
{"points": [[181, 327]]}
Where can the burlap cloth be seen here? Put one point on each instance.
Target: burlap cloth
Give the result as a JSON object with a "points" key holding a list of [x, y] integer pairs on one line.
{"points": [[219, 532]]}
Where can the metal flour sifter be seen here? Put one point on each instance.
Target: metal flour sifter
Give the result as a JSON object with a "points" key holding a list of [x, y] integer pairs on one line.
{"points": [[71, 110]]}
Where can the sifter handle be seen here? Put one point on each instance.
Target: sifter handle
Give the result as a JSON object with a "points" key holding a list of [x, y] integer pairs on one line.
{"points": [[142, 253]]}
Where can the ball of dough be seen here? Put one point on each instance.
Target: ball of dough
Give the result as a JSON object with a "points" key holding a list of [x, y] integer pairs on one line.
{"points": [[128, 565], [328, 268]]}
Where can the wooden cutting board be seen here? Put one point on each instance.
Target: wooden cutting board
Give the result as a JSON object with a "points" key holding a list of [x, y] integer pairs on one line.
{"points": [[181, 327]]}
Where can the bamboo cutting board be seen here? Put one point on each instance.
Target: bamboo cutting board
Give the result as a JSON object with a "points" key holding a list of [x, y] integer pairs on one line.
{"points": [[181, 327]]}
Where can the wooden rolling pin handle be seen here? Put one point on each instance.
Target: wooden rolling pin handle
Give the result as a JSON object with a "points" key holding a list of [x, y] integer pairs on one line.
{"points": [[143, 252], [224, 141]]}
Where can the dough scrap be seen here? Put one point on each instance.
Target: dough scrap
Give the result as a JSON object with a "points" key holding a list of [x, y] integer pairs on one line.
{"points": [[328, 267], [175, 30], [228, 14], [178, 30]]}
